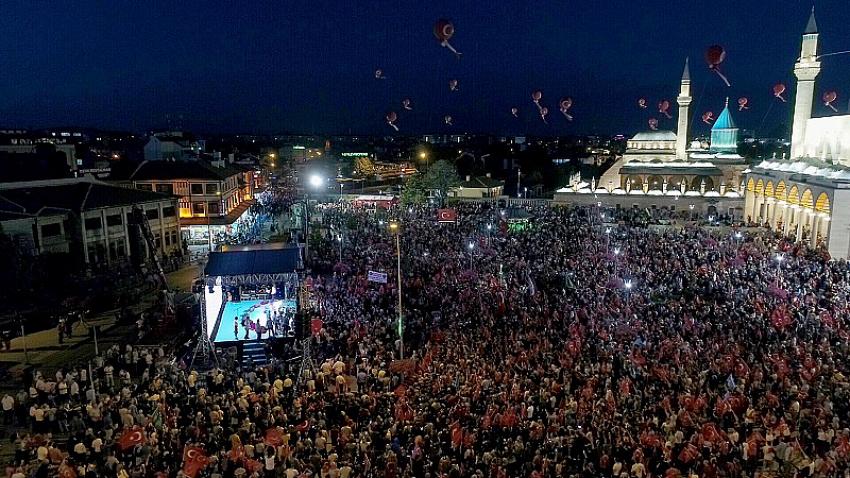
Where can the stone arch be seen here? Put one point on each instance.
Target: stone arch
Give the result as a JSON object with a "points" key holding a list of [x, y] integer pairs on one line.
{"points": [[794, 195], [806, 200], [751, 185], [655, 182], [822, 203], [781, 191], [696, 183], [635, 180], [760, 187]]}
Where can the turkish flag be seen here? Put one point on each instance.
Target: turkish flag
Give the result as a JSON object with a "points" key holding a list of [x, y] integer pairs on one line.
{"points": [[194, 460], [446, 215], [316, 326], [689, 453], [274, 437], [132, 437]]}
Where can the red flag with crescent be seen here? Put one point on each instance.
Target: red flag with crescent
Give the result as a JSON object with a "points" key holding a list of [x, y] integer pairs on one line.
{"points": [[446, 215], [132, 437], [194, 460]]}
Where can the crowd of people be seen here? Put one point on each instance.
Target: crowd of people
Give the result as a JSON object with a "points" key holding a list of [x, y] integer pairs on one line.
{"points": [[559, 350]]}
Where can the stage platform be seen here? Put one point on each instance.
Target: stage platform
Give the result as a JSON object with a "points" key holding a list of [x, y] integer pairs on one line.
{"points": [[256, 309]]}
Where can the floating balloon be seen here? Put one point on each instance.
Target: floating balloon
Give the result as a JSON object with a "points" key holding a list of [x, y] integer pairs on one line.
{"points": [[448, 120], [515, 111], [453, 85], [642, 103], [543, 112], [406, 104], [444, 30], [664, 107], [742, 104], [391, 119], [653, 124], [778, 89], [379, 74], [707, 117], [715, 56], [536, 96], [566, 104], [828, 98]]}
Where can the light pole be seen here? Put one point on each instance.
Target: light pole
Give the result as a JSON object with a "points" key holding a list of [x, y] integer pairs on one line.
{"points": [[616, 261], [471, 247], [489, 228], [394, 227], [607, 240], [628, 285], [339, 240]]}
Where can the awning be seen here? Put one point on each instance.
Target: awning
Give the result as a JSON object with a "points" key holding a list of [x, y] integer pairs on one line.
{"points": [[261, 261]]}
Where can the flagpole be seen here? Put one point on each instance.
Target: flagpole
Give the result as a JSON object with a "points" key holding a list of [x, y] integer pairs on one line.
{"points": [[394, 226]]}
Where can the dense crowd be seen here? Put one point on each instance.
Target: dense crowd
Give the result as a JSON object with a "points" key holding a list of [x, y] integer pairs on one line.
{"points": [[557, 349]]}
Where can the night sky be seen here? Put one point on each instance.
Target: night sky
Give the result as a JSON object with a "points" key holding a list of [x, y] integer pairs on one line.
{"points": [[308, 65]]}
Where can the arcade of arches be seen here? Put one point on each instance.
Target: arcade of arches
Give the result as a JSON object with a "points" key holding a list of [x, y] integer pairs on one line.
{"points": [[793, 209]]}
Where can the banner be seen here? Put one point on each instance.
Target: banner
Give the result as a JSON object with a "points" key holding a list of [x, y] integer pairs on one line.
{"points": [[380, 277], [446, 215], [194, 460]]}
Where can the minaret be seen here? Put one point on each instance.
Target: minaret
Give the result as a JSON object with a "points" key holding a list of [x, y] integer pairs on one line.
{"points": [[806, 70], [684, 101]]}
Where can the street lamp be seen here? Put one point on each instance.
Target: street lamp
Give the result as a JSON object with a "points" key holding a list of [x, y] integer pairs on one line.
{"points": [[607, 239], [396, 229], [316, 181]]}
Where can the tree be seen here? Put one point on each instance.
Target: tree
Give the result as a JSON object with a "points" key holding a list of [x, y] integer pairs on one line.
{"points": [[440, 177], [414, 191]]}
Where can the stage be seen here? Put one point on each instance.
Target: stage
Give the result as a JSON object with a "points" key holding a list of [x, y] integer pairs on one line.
{"points": [[234, 313]]}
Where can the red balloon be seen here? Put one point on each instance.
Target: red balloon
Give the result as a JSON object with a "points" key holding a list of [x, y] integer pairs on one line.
{"points": [[707, 117], [537, 95], [514, 111], [444, 30], [715, 55], [829, 97], [663, 106], [743, 101], [642, 102], [653, 123], [778, 89], [392, 117], [566, 103], [406, 104], [544, 111]]}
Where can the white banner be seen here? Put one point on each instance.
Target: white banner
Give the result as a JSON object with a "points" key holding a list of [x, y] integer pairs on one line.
{"points": [[378, 277]]}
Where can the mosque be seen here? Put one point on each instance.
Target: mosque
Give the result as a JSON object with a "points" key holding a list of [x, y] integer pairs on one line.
{"points": [[807, 197], [661, 169]]}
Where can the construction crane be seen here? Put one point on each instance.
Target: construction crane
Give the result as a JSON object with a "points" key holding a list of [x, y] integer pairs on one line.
{"points": [[140, 218]]}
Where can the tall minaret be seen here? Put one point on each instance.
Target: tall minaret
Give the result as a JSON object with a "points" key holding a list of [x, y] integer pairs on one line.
{"points": [[806, 70], [684, 101]]}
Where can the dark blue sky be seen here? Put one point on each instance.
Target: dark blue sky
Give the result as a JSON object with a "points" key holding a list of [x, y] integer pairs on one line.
{"points": [[308, 65]]}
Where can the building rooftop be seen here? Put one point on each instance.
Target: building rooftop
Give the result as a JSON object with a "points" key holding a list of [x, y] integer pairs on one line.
{"points": [[79, 195], [654, 136], [167, 170], [481, 182]]}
